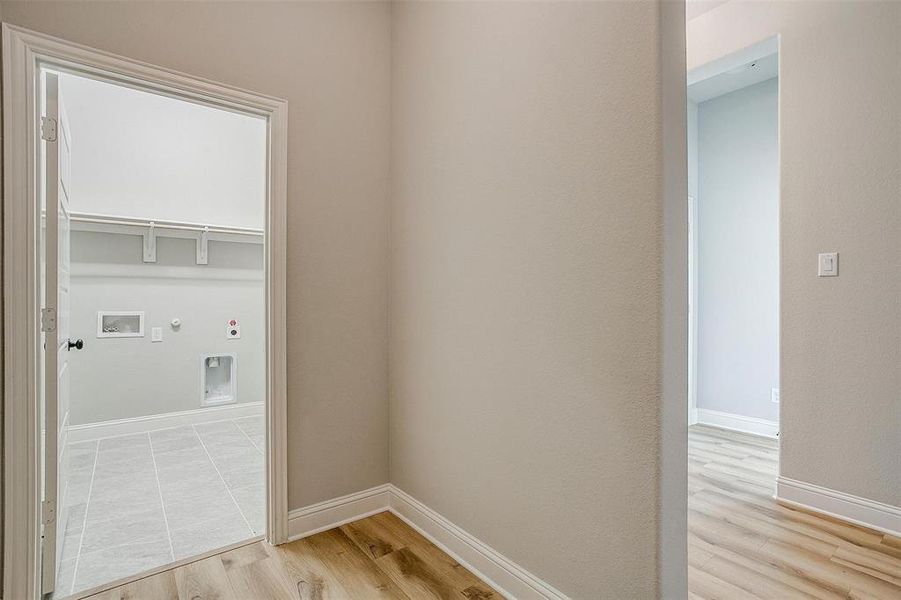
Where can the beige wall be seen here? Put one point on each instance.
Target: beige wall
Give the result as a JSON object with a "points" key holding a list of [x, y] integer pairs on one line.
{"points": [[672, 545], [526, 281], [331, 61], [840, 136], [528, 227], [2, 382]]}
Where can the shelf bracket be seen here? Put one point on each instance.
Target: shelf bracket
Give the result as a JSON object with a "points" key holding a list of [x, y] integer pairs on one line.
{"points": [[203, 241], [150, 243]]}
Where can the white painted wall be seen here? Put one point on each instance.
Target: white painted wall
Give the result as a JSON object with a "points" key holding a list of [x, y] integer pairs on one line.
{"points": [[117, 378], [738, 252], [139, 154]]}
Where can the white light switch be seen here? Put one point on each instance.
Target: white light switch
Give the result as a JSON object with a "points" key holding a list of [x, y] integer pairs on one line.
{"points": [[156, 334], [827, 265]]}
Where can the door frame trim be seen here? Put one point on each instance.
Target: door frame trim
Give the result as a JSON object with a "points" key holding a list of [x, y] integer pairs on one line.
{"points": [[23, 51]]}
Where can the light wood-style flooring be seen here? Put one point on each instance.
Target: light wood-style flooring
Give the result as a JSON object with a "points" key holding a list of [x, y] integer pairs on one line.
{"points": [[743, 544], [376, 557]]}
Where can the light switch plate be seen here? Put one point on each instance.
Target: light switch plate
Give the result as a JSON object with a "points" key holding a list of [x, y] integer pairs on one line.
{"points": [[827, 264], [156, 334]]}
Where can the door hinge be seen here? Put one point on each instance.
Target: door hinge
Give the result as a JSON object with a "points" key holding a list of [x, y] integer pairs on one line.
{"points": [[48, 129], [48, 512], [48, 319]]}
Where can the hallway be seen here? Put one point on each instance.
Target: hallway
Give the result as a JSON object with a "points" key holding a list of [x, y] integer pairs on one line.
{"points": [[742, 544]]}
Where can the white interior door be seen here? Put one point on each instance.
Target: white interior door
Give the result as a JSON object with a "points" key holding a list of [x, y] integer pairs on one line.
{"points": [[56, 145]]}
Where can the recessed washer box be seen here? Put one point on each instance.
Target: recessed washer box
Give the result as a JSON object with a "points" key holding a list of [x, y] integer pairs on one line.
{"points": [[218, 379], [120, 323]]}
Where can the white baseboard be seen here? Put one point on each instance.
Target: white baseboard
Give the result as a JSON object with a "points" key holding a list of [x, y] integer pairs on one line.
{"points": [[693, 415], [854, 509], [312, 519], [488, 564], [105, 429], [733, 422], [498, 571]]}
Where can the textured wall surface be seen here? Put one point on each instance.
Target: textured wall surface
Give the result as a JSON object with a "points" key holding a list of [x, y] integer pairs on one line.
{"points": [[526, 281], [331, 61], [528, 333], [840, 176]]}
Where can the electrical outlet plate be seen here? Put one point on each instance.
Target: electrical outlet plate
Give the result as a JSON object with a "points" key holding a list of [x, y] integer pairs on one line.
{"points": [[774, 395], [827, 264]]}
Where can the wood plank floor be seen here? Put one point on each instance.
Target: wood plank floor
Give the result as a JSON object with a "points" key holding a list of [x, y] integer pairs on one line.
{"points": [[743, 544], [376, 557]]}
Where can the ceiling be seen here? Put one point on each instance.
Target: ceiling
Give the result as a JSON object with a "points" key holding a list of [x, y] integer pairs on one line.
{"points": [[737, 77]]}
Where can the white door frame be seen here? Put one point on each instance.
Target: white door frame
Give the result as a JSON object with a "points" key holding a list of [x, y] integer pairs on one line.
{"points": [[23, 52], [692, 310]]}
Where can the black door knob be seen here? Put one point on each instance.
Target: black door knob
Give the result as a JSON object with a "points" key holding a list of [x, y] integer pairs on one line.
{"points": [[77, 344]]}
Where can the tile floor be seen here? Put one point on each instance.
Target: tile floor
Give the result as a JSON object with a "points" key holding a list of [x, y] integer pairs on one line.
{"points": [[144, 500]]}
